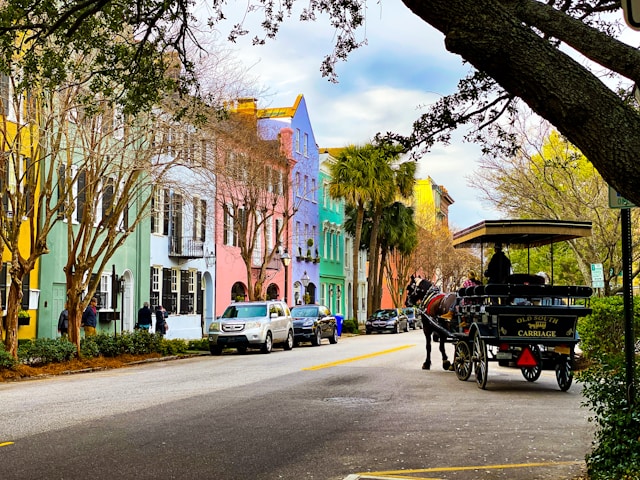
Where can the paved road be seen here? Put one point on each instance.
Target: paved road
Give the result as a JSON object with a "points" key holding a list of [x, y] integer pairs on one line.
{"points": [[360, 409]]}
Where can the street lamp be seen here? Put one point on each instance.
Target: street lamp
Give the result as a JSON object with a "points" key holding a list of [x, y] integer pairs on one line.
{"points": [[286, 260], [305, 283]]}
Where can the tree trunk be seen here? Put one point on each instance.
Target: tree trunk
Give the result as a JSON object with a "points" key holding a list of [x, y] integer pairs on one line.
{"points": [[556, 87], [13, 307], [378, 293], [373, 262], [356, 251]]}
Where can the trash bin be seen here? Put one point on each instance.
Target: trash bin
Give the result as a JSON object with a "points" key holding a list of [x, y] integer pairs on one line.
{"points": [[339, 320]]}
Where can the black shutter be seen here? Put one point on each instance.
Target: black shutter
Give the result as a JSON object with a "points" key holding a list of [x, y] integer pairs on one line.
{"points": [[167, 297], [107, 199], [199, 294], [25, 291], [184, 292], [61, 191], [153, 210], [82, 183], [203, 220], [166, 207]]}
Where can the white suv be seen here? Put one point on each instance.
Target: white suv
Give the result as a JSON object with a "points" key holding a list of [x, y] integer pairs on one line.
{"points": [[252, 325]]}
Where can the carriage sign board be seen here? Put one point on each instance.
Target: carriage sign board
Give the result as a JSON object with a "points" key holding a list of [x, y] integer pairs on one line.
{"points": [[548, 327]]}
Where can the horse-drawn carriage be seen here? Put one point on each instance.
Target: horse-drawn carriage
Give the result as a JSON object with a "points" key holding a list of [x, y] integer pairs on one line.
{"points": [[524, 321]]}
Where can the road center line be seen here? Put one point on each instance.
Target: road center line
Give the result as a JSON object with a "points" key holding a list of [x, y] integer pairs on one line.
{"points": [[355, 359], [5, 444], [479, 467]]}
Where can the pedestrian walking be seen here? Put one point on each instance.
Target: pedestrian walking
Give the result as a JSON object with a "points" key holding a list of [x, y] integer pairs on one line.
{"points": [[63, 322], [161, 320], [144, 317], [90, 318]]}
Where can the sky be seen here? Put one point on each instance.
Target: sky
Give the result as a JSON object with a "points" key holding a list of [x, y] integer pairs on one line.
{"points": [[382, 87]]}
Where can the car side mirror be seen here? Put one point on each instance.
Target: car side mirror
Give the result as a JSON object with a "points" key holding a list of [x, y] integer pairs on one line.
{"points": [[273, 315]]}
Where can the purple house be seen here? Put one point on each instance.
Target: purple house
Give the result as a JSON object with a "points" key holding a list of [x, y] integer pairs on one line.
{"points": [[302, 241]]}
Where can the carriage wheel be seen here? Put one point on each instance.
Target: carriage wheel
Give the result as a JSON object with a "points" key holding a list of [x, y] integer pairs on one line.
{"points": [[462, 361], [531, 374], [564, 372], [480, 360]]}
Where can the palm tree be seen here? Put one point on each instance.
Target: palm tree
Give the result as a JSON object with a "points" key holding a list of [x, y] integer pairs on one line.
{"points": [[398, 241], [351, 178], [392, 180]]}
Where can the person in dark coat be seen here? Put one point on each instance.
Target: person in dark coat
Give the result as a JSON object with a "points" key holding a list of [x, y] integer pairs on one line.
{"points": [[90, 318], [499, 266], [144, 317], [63, 322], [161, 322]]}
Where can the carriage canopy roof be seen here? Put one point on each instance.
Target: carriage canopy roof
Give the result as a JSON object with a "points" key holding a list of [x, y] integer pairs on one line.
{"points": [[520, 233]]}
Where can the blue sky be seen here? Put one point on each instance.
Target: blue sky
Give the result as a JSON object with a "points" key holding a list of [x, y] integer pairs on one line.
{"points": [[381, 88]]}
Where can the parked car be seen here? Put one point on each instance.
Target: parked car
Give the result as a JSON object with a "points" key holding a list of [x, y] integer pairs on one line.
{"points": [[387, 320], [312, 323], [246, 325], [412, 316]]}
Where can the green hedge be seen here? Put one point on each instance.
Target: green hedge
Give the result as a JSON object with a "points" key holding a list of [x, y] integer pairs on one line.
{"points": [[616, 451], [602, 332], [45, 350]]}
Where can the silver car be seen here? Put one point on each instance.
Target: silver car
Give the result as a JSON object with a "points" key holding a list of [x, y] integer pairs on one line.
{"points": [[246, 325]]}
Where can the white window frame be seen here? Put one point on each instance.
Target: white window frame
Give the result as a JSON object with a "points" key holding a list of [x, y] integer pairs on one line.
{"points": [[156, 278]]}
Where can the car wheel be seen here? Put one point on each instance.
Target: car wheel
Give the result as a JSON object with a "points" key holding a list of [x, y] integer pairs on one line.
{"points": [[267, 346], [242, 350], [368, 332], [317, 338], [333, 339], [215, 349], [288, 344]]}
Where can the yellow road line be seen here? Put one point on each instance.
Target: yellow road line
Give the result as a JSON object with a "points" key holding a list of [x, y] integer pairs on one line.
{"points": [[480, 467], [355, 359], [5, 444]]}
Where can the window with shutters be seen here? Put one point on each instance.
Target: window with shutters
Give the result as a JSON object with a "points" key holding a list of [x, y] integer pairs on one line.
{"points": [[108, 192], [81, 195]]}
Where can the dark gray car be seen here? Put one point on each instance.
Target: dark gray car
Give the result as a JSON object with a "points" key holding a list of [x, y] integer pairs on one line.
{"points": [[312, 323], [387, 320]]}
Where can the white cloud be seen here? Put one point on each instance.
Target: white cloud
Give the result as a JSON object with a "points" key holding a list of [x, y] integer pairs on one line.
{"points": [[380, 88]]}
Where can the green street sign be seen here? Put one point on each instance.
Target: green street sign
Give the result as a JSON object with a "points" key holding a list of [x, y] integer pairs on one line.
{"points": [[618, 201]]}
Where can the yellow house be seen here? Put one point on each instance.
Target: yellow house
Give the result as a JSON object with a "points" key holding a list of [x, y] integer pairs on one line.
{"points": [[17, 142]]}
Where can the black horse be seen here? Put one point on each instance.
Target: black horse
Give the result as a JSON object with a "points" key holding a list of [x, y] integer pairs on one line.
{"points": [[419, 291]]}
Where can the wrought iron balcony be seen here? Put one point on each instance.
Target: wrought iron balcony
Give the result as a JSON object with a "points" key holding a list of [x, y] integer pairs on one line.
{"points": [[186, 247]]}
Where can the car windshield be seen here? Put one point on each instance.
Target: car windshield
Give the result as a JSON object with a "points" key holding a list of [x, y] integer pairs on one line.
{"points": [[245, 311], [409, 312], [304, 312], [384, 313]]}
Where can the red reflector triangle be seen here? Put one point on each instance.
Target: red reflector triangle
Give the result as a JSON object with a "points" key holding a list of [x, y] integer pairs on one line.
{"points": [[526, 359]]}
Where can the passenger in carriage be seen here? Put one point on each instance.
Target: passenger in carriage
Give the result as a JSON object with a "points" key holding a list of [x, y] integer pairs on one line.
{"points": [[499, 266]]}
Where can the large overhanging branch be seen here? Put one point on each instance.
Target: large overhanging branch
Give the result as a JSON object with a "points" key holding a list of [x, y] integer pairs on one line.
{"points": [[554, 85], [590, 42]]}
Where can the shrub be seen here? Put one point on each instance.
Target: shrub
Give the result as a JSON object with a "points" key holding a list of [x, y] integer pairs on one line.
{"points": [[602, 332], [89, 347], [616, 453], [172, 347], [45, 350], [201, 344], [6, 359], [350, 326]]}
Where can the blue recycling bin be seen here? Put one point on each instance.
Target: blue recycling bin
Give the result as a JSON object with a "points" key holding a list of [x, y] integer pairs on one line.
{"points": [[339, 320]]}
